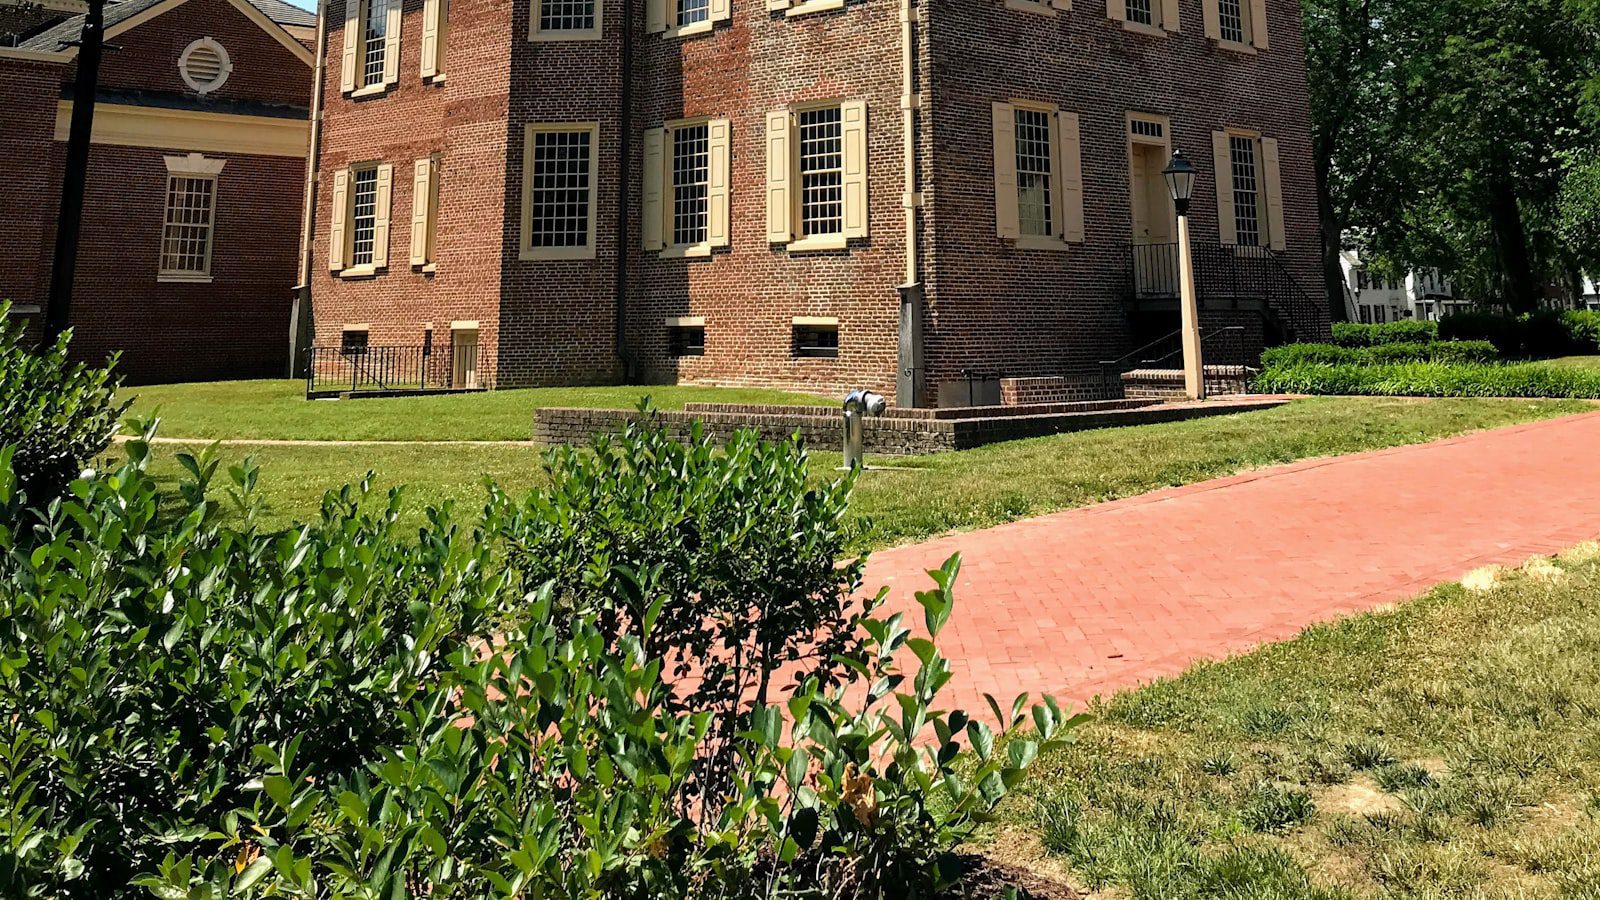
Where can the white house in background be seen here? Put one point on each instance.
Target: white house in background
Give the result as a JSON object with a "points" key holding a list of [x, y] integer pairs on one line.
{"points": [[1590, 298], [1423, 294]]}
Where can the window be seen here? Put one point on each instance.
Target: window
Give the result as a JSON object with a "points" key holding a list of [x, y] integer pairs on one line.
{"points": [[353, 341], [186, 232], [371, 46], [425, 212], [559, 191], [1250, 197], [686, 340], [565, 20], [1038, 176], [375, 42], [817, 175], [364, 217], [1237, 24], [1140, 12], [806, 7], [816, 338], [435, 27], [1231, 14], [691, 175], [686, 187], [359, 241], [1147, 16], [681, 18], [204, 66]]}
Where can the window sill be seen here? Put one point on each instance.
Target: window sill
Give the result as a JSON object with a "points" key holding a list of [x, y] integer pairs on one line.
{"points": [[687, 31], [371, 90], [25, 309], [1235, 47], [428, 268], [819, 243], [813, 6], [1031, 6], [690, 251], [182, 278], [1141, 28], [358, 272], [1039, 242], [437, 78], [547, 254], [592, 34]]}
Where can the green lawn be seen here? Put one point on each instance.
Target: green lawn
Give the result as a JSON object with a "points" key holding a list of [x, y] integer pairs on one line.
{"points": [[1576, 362], [279, 410], [1445, 749], [914, 497]]}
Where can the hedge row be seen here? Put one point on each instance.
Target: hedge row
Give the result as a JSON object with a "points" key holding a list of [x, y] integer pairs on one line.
{"points": [[1535, 335], [1352, 334], [1332, 354], [1430, 379]]}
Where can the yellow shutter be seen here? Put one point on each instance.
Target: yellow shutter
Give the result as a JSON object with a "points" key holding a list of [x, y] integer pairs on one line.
{"points": [[391, 43], [655, 174], [1170, 20], [655, 16], [421, 209], [1069, 157], [721, 10], [719, 134], [780, 178], [1005, 172], [1222, 166], [853, 115], [1213, 19], [341, 213], [430, 38], [1258, 23], [352, 31], [1138, 197], [1273, 181], [380, 224], [1117, 10]]}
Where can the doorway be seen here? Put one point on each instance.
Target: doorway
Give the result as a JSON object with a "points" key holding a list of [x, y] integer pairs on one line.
{"points": [[1155, 255], [464, 356]]}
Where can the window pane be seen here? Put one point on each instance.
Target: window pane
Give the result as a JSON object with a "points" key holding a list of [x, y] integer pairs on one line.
{"points": [[1034, 201], [1230, 15], [1246, 214], [691, 176], [821, 172], [376, 43], [364, 216], [1140, 11], [692, 11], [559, 214], [186, 236], [566, 15]]}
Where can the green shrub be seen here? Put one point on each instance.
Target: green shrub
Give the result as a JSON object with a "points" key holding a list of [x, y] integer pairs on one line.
{"points": [[1536, 335], [1431, 379], [1351, 334], [1331, 354], [204, 709], [57, 415]]}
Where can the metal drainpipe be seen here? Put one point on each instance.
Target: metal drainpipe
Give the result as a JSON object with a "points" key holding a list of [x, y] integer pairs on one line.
{"points": [[298, 317], [624, 178], [909, 389]]}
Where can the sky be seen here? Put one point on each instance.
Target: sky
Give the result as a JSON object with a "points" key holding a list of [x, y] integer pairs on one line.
{"points": [[305, 4]]}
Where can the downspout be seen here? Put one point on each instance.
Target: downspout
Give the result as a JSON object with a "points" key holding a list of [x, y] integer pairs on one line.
{"points": [[909, 388], [300, 315], [624, 194]]}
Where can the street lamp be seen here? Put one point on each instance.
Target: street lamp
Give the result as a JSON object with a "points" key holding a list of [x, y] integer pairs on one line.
{"points": [[1180, 175]]}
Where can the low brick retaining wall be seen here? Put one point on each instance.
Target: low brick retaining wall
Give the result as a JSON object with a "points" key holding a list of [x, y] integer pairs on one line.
{"points": [[901, 433], [1168, 384], [1055, 389]]}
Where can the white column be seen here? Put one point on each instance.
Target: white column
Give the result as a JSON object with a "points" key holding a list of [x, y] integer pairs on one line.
{"points": [[1193, 369]]}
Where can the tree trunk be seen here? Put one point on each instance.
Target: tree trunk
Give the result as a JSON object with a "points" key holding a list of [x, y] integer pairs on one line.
{"points": [[1332, 270], [1511, 245]]}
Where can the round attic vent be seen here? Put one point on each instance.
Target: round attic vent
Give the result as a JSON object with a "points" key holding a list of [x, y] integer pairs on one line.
{"points": [[205, 66]]}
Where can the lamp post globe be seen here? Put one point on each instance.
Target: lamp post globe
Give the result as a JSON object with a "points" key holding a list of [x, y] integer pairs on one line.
{"points": [[1180, 175]]}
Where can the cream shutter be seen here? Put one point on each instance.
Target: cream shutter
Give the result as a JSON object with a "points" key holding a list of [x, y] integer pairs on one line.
{"points": [[1258, 24], [1006, 217], [1069, 157], [341, 213], [1117, 10], [1138, 197], [1213, 19], [1273, 181], [654, 219], [380, 224], [430, 37], [1222, 165], [352, 31], [391, 43], [777, 5], [718, 213], [721, 10], [1170, 20], [780, 179], [655, 16], [421, 209], [853, 115]]}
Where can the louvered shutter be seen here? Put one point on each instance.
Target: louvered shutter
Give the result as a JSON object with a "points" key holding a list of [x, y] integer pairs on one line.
{"points": [[430, 37], [380, 224], [1069, 157], [1170, 20], [780, 178], [718, 212], [391, 43], [1006, 217], [341, 214], [853, 116], [653, 224], [1273, 182], [352, 33], [1222, 166], [1258, 24], [421, 209]]}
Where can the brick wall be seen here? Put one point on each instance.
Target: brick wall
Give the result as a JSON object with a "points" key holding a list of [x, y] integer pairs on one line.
{"points": [[28, 204]]}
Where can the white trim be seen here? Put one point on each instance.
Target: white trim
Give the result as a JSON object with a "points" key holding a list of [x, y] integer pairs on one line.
{"points": [[685, 321], [581, 34], [254, 15], [464, 325], [194, 164], [815, 321]]}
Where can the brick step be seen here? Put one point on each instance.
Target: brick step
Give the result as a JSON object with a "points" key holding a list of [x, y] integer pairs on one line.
{"points": [[1167, 384]]}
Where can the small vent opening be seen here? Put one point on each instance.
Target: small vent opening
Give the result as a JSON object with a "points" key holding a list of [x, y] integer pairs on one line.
{"points": [[205, 66]]}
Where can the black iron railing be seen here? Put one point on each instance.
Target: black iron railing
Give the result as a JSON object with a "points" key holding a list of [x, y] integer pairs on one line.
{"points": [[374, 369], [1155, 270], [1223, 273], [1166, 352]]}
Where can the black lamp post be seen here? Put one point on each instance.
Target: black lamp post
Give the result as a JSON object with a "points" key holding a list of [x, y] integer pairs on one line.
{"points": [[1180, 177], [75, 173]]}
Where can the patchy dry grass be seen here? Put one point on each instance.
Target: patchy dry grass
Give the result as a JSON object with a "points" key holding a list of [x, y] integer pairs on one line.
{"points": [[1448, 748]]}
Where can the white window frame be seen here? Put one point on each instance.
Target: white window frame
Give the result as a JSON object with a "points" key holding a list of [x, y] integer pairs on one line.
{"points": [[803, 239], [535, 33], [196, 168], [354, 63], [1253, 24], [526, 248], [669, 193]]}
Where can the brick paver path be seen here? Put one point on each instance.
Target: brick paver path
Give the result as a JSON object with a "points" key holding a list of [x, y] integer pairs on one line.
{"points": [[1093, 600]]}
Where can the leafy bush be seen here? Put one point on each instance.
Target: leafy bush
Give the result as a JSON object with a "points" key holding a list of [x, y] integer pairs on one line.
{"points": [[1351, 334], [1331, 354], [204, 709], [1430, 379], [1535, 335], [57, 415]]}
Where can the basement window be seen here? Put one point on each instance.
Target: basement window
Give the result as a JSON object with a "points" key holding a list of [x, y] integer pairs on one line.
{"points": [[816, 340], [353, 342], [686, 340]]}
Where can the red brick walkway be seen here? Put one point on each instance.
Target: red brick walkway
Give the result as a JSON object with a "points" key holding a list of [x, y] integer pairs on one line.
{"points": [[1093, 600]]}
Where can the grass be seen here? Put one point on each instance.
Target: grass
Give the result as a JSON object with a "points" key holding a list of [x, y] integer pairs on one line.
{"points": [[910, 498], [278, 410], [1587, 363], [1443, 749]]}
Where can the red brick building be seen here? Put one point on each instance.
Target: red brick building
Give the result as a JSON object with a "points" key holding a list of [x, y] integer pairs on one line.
{"points": [[902, 194], [191, 221]]}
